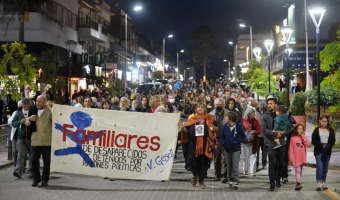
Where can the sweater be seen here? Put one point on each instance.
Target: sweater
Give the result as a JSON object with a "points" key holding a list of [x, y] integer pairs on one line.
{"points": [[231, 139], [318, 146], [297, 150]]}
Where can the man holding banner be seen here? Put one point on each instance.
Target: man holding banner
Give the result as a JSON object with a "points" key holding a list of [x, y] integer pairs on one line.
{"points": [[41, 141]]}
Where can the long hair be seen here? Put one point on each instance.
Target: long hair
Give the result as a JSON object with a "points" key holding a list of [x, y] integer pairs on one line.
{"points": [[328, 126], [294, 132]]}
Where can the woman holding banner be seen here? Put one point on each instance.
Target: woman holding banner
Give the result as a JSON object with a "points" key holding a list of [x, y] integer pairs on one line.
{"points": [[201, 129]]}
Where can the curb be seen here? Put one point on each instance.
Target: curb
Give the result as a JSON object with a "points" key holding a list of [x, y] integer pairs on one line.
{"points": [[6, 165], [337, 190]]}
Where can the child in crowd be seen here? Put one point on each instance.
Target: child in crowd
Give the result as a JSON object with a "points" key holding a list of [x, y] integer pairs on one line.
{"points": [[323, 139], [297, 152], [281, 123], [231, 138]]}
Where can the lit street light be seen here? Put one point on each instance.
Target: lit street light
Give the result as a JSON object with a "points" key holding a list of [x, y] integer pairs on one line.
{"points": [[251, 39], [70, 46], [286, 34], [136, 8], [181, 51], [169, 36], [315, 12], [269, 46], [257, 52]]}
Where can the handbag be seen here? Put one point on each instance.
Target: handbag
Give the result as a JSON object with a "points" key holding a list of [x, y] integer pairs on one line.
{"points": [[249, 136]]}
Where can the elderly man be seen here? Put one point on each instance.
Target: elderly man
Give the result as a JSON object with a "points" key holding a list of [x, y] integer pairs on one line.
{"points": [[219, 154], [41, 141], [22, 124]]}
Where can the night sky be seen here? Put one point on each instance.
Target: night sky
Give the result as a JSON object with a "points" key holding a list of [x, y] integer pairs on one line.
{"points": [[181, 17]]}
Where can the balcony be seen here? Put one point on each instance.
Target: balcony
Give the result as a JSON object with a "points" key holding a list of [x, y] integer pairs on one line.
{"points": [[90, 30]]}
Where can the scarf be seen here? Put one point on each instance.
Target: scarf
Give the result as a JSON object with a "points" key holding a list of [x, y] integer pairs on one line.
{"points": [[209, 119]]}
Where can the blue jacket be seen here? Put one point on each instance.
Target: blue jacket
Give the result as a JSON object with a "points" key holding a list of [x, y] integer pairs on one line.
{"points": [[231, 140]]}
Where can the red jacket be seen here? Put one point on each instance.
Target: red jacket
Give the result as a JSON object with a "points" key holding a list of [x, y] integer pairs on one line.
{"points": [[254, 125]]}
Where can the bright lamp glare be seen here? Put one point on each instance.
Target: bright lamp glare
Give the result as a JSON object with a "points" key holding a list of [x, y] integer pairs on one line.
{"points": [[170, 36], [138, 8]]}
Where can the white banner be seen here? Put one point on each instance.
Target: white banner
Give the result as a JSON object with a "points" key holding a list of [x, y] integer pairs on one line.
{"points": [[115, 144]]}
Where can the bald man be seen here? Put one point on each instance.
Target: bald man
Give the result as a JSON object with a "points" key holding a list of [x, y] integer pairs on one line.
{"points": [[41, 141]]}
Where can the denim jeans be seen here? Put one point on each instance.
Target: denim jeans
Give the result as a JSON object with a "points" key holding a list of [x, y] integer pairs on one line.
{"points": [[322, 162]]}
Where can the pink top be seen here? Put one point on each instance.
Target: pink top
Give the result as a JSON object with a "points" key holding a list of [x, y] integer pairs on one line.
{"points": [[297, 150]]}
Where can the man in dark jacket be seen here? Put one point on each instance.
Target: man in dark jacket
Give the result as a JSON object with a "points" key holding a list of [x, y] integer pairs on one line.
{"points": [[22, 123], [276, 156]]}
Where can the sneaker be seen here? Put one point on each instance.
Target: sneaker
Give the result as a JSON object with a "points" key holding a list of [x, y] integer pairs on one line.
{"points": [[235, 185], [278, 184], [277, 146], [298, 186], [245, 173], [231, 184], [285, 180], [324, 187], [16, 174], [44, 184], [202, 186], [252, 174], [35, 183], [225, 180], [272, 186], [318, 186]]}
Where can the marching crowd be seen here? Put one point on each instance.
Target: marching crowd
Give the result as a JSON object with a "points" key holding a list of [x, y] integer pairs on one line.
{"points": [[218, 123]]}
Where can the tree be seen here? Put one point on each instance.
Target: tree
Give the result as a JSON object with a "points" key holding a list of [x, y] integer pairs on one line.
{"points": [[44, 62], [157, 75], [17, 68], [205, 42], [259, 81], [20, 9], [330, 60]]}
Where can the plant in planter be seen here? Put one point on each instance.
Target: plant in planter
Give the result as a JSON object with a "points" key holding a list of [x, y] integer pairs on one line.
{"points": [[298, 108]]}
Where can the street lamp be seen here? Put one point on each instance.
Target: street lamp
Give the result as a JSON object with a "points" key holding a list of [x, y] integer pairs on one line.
{"points": [[316, 11], [269, 46], [257, 52], [286, 34], [136, 8], [251, 39], [228, 67], [169, 36], [176, 69], [70, 46], [181, 51]]}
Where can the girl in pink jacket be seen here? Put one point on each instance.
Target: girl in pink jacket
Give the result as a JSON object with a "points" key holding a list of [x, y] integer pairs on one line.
{"points": [[297, 152]]}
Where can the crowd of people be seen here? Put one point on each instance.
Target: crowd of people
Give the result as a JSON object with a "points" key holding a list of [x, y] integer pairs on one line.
{"points": [[218, 124]]}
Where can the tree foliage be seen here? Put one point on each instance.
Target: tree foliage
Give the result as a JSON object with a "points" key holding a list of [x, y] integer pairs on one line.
{"points": [[259, 81], [46, 64], [206, 46], [157, 75], [17, 68], [330, 60]]}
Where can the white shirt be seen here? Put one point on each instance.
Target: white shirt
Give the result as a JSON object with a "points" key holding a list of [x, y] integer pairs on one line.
{"points": [[40, 112]]}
